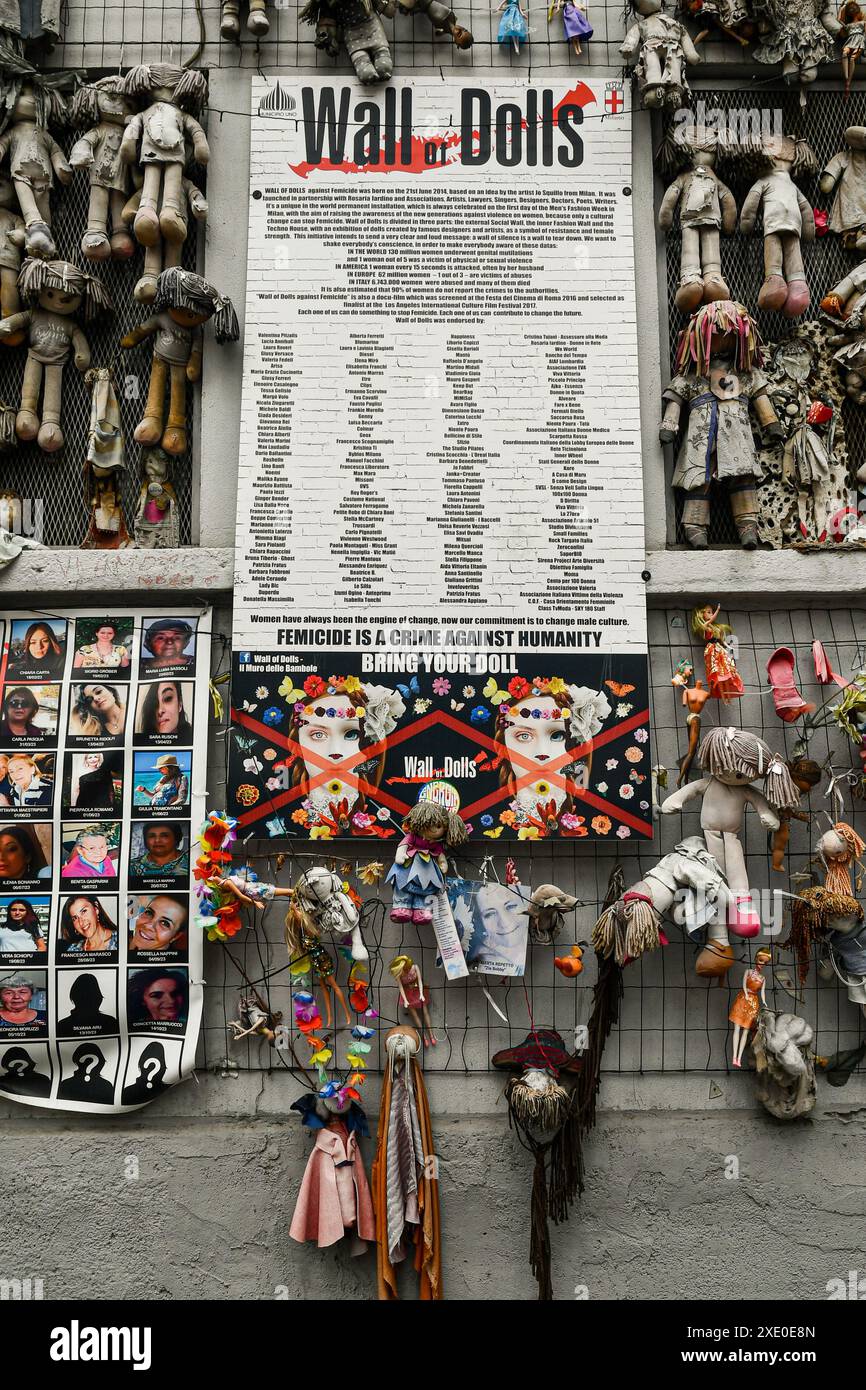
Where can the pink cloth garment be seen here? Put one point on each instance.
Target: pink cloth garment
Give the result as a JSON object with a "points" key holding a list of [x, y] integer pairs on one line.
{"points": [[334, 1196]]}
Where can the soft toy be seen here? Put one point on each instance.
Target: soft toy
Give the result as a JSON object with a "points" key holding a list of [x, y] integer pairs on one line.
{"points": [[104, 465], [102, 106], [31, 105], [417, 874], [156, 139], [11, 236], [706, 207], [788, 221], [733, 759], [258, 22], [545, 913], [53, 291], [836, 920], [785, 1069], [663, 49], [155, 524], [845, 176], [799, 35], [184, 301], [356, 25], [323, 896], [718, 359]]}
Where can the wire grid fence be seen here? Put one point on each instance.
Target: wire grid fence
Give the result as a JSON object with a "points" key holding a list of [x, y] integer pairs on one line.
{"points": [[822, 121], [54, 483], [671, 1020]]}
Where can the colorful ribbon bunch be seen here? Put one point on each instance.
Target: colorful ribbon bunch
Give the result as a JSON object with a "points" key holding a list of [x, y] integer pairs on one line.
{"points": [[218, 910]]}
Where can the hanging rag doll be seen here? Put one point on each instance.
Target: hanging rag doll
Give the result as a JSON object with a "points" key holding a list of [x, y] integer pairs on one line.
{"points": [[304, 944], [799, 34], [53, 291], [545, 912], [164, 255], [105, 464], [748, 1002], [441, 16], [11, 238], [513, 26], [853, 37], [706, 206], [156, 140], [574, 22], [788, 221], [412, 996], [183, 302], [733, 759], [835, 922], [805, 774], [405, 1182], [258, 20], [102, 106], [845, 177], [663, 49], [784, 1066], [155, 525], [732, 18], [334, 1198], [324, 896], [417, 874], [718, 378], [356, 25], [31, 105]]}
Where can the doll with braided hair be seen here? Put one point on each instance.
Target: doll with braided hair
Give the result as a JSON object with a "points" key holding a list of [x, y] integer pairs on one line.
{"points": [[417, 874], [839, 849], [184, 302]]}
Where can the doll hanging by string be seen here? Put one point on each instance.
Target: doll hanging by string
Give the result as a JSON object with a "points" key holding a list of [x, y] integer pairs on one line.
{"points": [[663, 49], [513, 26], [103, 108], [748, 1003], [706, 209], [354, 25], [840, 850], [417, 874], [723, 679], [412, 996], [574, 21], [156, 139], [788, 220], [853, 36], [303, 942], [31, 105]]}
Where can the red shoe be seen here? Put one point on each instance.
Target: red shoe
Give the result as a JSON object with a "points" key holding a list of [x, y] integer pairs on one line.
{"points": [[743, 920], [787, 699], [824, 672]]}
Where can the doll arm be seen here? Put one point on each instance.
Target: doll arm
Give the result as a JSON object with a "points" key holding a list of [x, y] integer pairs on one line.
{"points": [[766, 815], [832, 173], [808, 216], [765, 414], [195, 132], [195, 198], [402, 855], [631, 43], [138, 335], [15, 323], [669, 203], [81, 347], [728, 205], [193, 366], [678, 799], [81, 156], [131, 136], [690, 53], [59, 162], [421, 995], [442, 861], [751, 208], [403, 1000]]}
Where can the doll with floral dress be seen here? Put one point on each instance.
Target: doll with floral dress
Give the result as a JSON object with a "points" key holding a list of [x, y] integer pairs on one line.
{"points": [[574, 21], [417, 874], [853, 36]]}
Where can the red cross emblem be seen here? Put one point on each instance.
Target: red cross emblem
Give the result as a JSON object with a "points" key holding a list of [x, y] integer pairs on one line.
{"points": [[613, 101]]}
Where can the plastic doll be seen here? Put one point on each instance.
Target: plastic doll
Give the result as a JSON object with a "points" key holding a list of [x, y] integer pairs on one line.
{"points": [[748, 1003], [10, 256], [513, 27], [442, 17], [164, 255], [733, 759], [356, 25], [788, 220], [34, 156], [258, 21], [155, 524], [706, 207], [805, 774], [717, 359], [53, 291], [853, 21], [156, 139], [845, 176], [412, 996], [103, 106], [799, 34], [574, 21], [420, 862], [663, 49], [303, 940], [184, 301]]}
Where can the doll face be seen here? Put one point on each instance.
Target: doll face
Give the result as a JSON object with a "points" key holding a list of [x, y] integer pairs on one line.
{"points": [[155, 471], [113, 106], [59, 301], [25, 106], [648, 7], [536, 730], [781, 150], [733, 779], [187, 318]]}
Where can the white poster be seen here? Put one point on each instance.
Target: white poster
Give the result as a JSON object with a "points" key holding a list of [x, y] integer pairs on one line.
{"points": [[440, 472], [103, 748]]}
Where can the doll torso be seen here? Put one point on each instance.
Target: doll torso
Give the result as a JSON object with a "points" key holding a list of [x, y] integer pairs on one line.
{"points": [[657, 30], [50, 338], [10, 256], [411, 987], [849, 201], [717, 440], [723, 807], [700, 205], [796, 33], [30, 154], [162, 135], [780, 208], [107, 169], [172, 342]]}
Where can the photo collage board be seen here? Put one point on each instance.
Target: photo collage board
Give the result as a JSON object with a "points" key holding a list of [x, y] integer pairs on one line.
{"points": [[103, 743]]}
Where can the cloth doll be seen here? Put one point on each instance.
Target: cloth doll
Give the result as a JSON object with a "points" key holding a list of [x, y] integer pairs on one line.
{"points": [[258, 20], [853, 37], [156, 139], [102, 106], [799, 34], [574, 22], [412, 996], [355, 24], [730, 17], [184, 301], [155, 524], [31, 105], [417, 874], [718, 358], [747, 1003], [442, 17], [845, 176], [834, 921], [10, 256], [53, 291], [844, 307], [164, 255], [788, 220], [784, 1066], [663, 49], [324, 896], [106, 461], [733, 759], [545, 912], [513, 26], [706, 207], [303, 944], [840, 848]]}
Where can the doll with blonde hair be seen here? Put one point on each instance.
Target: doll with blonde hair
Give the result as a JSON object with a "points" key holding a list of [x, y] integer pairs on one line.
{"points": [[412, 996]]}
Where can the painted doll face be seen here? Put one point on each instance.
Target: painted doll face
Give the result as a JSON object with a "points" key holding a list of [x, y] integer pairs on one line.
{"points": [[536, 731], [332, 738], [734, 779], [59, 301]]}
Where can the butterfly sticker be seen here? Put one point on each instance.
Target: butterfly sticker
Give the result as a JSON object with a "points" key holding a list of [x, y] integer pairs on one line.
{"points": [[413, 688], [248, 708], [492, 692], [457, 705], [289, 693], [494, 834], [618, 689]]}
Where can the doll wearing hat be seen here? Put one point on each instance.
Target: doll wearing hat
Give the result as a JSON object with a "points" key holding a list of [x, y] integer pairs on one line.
{"points": [[172, 789]]}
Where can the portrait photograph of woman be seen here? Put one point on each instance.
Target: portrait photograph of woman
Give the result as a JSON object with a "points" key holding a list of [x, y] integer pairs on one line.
{"points": [[159, 850], [27, 781], [24, 926], [97, 710], [37, 649], [29, 712], [161, 782], [103, 645], [164, 713], [90, 851], [158, 999], [25, 855], [93, 781], [88, 926]]}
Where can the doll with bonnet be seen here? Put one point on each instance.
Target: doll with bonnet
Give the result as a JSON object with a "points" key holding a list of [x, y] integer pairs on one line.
{"points": [[733, 759], [417, 874]]}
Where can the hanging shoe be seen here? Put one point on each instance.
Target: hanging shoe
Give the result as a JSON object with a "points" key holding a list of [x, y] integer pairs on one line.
{"points": [[824, 672], [787, 699], [743, 920]]}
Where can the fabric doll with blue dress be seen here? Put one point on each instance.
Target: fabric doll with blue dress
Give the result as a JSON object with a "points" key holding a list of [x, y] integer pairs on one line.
{"points": [[512, 26], [417, 874]]}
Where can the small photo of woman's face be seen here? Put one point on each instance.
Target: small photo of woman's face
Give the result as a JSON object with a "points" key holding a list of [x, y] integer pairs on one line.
{"points": [[168, 708], [537, 741], [501, 913], [21, 771], [92, 761], [17, 912], [93, 849], [83, 917], [99, 698], [13, 860], [105, 633], [330, 738], [163, 1000], [158, 921], [39, 645]]}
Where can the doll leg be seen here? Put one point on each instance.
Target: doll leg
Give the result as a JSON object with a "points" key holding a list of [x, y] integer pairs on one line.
{"points": [[50, 436], [808, 72], [145, 290], [382, 60], [146, 224], [744, 508], [257, 19], [739, 1044], [797, 300], [39, 241], [341, 999], [696, 519], [174, 438], [10, 302], [429, 1026], [653, 90], [358, 949], [422, 910], [122, 244], [790, 69], [711, 263], [230, 25], [416, 1019], [774, 291], [95, 244], [780, 843], [149, 428], [172, 222], [326, 995], [364, 69], [743, 920], [691, 286], [27, 419], [401, 908]]}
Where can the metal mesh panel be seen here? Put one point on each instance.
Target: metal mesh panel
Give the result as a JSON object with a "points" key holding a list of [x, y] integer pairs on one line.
{"points": [[55, 481], [821, 122]]}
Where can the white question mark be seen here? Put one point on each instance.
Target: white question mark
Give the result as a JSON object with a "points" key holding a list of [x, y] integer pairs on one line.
{"points": [[150, 1066]]}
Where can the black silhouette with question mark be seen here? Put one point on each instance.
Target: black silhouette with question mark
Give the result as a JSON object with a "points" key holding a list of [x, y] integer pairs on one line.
{"points": [[87, 1082]]}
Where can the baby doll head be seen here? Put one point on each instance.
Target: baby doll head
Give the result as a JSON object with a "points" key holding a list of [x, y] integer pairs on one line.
{"points": [[430, 821], [722, 328], [190, 300], [737, 757], [102, 100], [183, 87], [62, 288]]}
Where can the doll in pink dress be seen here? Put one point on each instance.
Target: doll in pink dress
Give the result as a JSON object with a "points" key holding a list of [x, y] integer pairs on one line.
{"points": [[412, 996]]}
